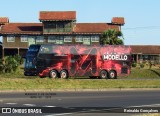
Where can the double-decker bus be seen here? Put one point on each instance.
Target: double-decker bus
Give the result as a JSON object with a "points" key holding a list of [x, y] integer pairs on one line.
{"points": [[78, 60]]}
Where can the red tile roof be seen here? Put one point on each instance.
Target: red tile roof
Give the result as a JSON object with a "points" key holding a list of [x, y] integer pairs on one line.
{"points": [[4, 20], [118, 20], [145, 49], [57, 15], [36, 28], [93, 27], [22, 28]]}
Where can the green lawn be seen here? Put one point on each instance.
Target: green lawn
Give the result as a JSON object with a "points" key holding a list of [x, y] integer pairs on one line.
{"points": [[145, 73], [140, 78]]}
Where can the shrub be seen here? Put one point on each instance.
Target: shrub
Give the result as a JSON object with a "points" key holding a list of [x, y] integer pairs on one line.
{"points": [[134, 64], [141, 65], [11, 64], [18, 58], [1, 66]]}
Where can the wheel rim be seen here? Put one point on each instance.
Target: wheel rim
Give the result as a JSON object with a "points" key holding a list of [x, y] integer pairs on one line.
{"points": [[112, 75], [53, 75], [63, 75], [103, 75]]}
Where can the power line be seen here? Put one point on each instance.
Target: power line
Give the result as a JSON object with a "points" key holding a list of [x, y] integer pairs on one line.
{"points": [[147, 27]]}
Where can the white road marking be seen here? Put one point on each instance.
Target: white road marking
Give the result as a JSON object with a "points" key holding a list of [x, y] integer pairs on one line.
{"points": [[71, 108], [49, 106], [29, 104], [11, 103], [150, 105]]}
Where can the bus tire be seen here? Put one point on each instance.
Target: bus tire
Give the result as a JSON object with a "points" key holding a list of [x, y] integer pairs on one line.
{"points": [[112, 74], [103, 74], [53, 74], [63, 74], [42, 76]]}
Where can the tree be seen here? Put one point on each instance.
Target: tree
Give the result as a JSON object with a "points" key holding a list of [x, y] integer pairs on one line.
{"points": [[111, 37]]}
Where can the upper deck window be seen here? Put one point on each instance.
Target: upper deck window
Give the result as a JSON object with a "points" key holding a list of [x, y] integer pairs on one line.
{"points": [[46, 49]]}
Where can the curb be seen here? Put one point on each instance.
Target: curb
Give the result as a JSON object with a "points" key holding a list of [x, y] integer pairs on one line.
{"points": [[82, 90]]}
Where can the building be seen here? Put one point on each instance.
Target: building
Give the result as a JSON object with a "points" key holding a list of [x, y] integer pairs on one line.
{"points": [[57, 27], [145, 53]]}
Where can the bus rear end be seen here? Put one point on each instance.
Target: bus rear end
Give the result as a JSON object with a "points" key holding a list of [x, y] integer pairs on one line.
{"points": [[30, 60]]}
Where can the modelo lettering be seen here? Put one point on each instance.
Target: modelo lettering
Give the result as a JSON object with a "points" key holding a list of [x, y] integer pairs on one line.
{"points": [[114, 57]]}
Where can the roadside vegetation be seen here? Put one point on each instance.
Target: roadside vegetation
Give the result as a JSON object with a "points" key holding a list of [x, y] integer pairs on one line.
{"points": [[139, 78], [10, 64], [35, 83]]}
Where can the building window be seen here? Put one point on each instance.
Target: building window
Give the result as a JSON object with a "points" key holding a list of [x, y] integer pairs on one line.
{"points": [[60, 25], [50, 25], [87, 40], [51, 39], [79, 38], [67, 38], [24, 38], [40, 39], [59, 40], [31, 40], [95, 38], [67, 24], [10, 38]]}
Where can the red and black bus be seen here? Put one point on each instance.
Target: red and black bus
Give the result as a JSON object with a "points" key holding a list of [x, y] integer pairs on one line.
{"points": [[78, 60]]}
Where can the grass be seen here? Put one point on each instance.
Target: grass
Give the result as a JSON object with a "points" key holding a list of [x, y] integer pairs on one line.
{"points": [[144, 73], [37, 83], [140, 78]]}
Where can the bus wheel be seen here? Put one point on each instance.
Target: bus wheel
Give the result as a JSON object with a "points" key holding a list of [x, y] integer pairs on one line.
{"points": [[103, 74], [63, 74], [112, 74], [53, 74]]}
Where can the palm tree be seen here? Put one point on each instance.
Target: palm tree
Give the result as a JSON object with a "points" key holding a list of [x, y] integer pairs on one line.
{"points": [[111, 37]]}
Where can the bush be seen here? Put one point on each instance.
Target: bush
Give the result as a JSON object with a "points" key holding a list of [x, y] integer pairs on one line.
{"points": [[18, 58], [1, 66], [11, 64], [134, 64], [141, 65]]}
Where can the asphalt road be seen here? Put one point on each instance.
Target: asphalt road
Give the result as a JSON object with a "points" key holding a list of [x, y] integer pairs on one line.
{"points": [[96, 103]]}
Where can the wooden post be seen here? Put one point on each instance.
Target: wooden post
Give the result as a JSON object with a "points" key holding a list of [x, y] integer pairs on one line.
{"points": [[137, 58], [159, 59], [18, 51], [3, 55]]}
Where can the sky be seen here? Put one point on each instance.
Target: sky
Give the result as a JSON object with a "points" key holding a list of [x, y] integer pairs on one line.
{"points": [[142, 17]]}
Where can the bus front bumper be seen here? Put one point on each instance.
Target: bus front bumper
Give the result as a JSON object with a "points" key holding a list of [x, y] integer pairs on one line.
{"points": [[30, 72]]}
